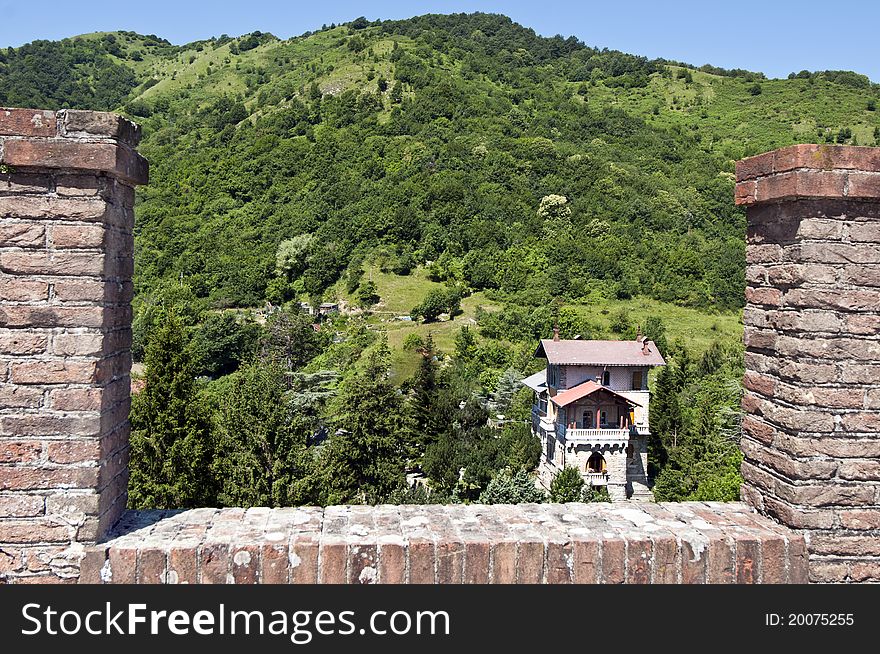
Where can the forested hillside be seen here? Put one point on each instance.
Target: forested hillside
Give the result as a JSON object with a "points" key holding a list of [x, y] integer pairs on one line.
{"points": [[459, 170]]}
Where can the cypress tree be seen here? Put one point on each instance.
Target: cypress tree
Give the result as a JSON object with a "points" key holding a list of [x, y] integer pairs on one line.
{"points": [[262, 458], [171, 446], [363, 461]]}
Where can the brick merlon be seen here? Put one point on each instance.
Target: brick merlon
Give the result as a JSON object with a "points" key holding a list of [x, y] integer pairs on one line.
{"points": [[809, 171], [69, 139]]}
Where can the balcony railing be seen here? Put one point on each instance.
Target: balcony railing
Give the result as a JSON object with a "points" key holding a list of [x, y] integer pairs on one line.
{"points": [[593, 435], [596, 478]]}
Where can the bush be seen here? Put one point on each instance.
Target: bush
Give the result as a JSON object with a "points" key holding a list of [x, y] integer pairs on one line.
{"points": [[567, 485], [509, 487], [595, 494]]}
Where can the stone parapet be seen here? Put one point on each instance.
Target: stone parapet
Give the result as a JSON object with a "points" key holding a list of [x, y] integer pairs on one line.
{"points": [[691, 543]]}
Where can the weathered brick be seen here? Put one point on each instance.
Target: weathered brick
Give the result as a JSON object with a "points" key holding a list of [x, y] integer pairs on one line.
{"points": [[20, 397], [860, 518], [15, 451], [20, 343], [21, 505], [117, 160], [22, 235], [245, 564], [613, 561], [18, 289], [53, 372], [90, 124], [151, 566], [123, 565], [25, 478], [74, 451], [24, 316], [27, 122], [35, 531]]}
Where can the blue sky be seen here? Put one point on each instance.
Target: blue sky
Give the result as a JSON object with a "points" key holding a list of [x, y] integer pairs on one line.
{"points": [[776, 37]]}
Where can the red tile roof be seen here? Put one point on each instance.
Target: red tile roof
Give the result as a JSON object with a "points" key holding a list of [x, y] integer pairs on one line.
{"points": [[589, 387], [600, 353]]}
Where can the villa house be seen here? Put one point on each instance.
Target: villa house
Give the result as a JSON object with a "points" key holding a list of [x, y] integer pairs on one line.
{"points": [[591, 411]]}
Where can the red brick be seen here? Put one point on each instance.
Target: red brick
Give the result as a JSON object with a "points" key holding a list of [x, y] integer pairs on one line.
{"points": [[246, 564], [22, 235], [20, 451], [151, 566], [213, 563], [27, 122], [450, 561], [421, 561], [51, 263], [860, 518], [73, 451], [18, 397], [17, 289], [22, 343], [333, 561], [20, 505], [76, 399], [560, 557], [182, 565], [22, 478], [92, 566], [35, 531], [748, 560], [77, 236], [476, 562], [303, 561], [54, 372], [613, 561], [82, 123], [638, 561], [22, 316], [503, 562], [529, 562], [666, 562], [123, 565], [275, 560], [42, 207], [49, 425], [864, 185], [753, 167], [585, 561], [117, 160]]}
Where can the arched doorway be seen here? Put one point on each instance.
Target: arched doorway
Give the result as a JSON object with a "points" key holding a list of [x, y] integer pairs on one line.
{"points": [[596, 463]]}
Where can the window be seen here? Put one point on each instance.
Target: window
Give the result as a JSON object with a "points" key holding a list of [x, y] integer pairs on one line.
{"points": [[587, 419], [606, 378], [637, 380], [603, 420]]}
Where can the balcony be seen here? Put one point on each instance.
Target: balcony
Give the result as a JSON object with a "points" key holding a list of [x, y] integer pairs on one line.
{"points": [[593, 436], [596, 478]]}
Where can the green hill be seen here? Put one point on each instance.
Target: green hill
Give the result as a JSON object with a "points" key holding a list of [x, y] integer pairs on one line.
{"points": [[431, 142]]}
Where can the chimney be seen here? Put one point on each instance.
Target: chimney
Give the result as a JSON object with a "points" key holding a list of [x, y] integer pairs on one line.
{"points": [[555, 333], [638, 332]]}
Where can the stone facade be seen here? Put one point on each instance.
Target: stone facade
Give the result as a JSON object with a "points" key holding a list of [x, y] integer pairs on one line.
{"points": [[811, 436], [66, 202], [603, 432]]}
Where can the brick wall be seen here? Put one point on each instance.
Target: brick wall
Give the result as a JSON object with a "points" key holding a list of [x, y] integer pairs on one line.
{"points": [[812, 331], [811, 434], [66, 199]]}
